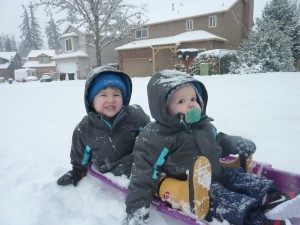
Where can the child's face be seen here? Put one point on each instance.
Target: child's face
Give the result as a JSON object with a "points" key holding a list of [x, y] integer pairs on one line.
{"points": [[108, 102], [182, 100]]}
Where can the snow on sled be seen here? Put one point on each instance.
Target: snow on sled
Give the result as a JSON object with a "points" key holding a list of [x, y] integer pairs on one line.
{"points": [[286, 181]]}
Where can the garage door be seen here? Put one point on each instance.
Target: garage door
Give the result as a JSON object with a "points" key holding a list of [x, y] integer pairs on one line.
{"points": [[67, 68], [138, 67]]}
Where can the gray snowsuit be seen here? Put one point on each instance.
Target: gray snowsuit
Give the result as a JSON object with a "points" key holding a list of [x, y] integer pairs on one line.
{"points": [[108, 145], [171, 146]]}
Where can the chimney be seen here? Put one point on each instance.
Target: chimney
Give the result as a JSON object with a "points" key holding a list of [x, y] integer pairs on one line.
{"points": [[173, 7]]}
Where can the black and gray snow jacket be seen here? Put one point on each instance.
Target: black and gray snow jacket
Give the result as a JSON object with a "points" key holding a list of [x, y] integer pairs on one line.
{"points": [[169, 145], [109, 145]]}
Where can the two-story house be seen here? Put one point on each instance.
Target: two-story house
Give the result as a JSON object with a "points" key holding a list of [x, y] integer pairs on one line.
{"points": [[41, 62], [78, 54], [205, 25], [9, 61]]}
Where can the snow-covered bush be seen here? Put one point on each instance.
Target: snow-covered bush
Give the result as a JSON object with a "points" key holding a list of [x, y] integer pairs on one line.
{"points": [[218, 61]]}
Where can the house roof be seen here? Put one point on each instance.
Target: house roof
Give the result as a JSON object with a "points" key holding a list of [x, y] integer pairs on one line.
{"points": [[71, 34], [36, 53], [36, 64], [7, 55], [199, 8], [75, 54], [4, 65], [191, 36], [79, 29]]}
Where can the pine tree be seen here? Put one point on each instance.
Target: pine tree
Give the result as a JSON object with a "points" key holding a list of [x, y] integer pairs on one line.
{"points": [[7, 44], [53, 35], [268, 49], [1, 43], [13, 44], [286, 13], [36, 36], [26, 36]]}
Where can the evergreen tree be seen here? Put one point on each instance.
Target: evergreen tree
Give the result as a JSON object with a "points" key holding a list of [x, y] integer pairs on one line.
{"points": [[1, 43], [53, 35], [268, 49], [286, 13], [7, 44], [26, 36], [36, 36], [13, 44]]}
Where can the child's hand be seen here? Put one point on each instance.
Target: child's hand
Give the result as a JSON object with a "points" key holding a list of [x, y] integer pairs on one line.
{"points": [[245, 147], [71, 177], [236, 145]]}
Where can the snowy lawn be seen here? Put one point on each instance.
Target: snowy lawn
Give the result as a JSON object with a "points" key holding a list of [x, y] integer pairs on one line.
{"points": [[37, 121]]}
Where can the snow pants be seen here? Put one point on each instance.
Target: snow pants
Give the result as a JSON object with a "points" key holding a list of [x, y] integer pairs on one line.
{"points": [[238, 197]]}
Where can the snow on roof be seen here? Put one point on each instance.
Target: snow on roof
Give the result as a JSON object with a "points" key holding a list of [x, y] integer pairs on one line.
{"points": [[197, 35], [35, 64], [7, 55], [4, 65], [202, 7], [216, 53], [65, 55], [79, 29], [36, 53], [71, 34]]}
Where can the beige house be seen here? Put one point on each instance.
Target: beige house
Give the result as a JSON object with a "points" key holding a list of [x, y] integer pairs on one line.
{"points": [[41, 61], [78, 55], [205, 25]]}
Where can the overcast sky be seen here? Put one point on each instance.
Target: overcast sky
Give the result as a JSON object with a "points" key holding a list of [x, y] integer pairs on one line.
{"points": [[11, 11]]}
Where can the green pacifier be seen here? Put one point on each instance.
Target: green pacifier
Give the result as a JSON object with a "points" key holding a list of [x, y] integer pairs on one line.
{"points": [[193, 115]]}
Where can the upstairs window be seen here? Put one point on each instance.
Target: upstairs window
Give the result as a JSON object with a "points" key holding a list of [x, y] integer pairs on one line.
{"points": [[189, 25], [43, 59], [212, 21], [141, 33], [69, 45]]}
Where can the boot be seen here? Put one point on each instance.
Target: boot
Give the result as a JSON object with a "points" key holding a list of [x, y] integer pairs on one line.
{"points": [[191, 195]]}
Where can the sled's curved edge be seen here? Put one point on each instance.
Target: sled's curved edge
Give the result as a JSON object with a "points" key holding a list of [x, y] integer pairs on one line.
{"points": [[160, 205]]}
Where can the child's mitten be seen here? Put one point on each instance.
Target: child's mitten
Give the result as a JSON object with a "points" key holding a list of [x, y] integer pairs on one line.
{"points": [[236, 144], [71, 177]]}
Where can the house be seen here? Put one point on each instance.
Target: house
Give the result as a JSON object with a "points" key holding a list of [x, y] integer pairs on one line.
{"points": [[78, 54], [41, 61], [9, 61], [204, 25]]}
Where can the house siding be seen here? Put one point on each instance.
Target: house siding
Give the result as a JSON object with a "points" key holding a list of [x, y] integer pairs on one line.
{"points": [[234, 25]]}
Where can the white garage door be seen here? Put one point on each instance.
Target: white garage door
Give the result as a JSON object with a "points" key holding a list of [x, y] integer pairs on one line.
{"points": [[67, 68]]}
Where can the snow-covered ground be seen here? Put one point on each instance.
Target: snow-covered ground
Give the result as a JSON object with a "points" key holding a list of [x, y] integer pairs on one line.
{"points": [[37, 121]]}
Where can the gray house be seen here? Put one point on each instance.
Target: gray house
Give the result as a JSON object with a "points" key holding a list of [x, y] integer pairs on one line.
{"points": [[78, 55], [9, 61]]}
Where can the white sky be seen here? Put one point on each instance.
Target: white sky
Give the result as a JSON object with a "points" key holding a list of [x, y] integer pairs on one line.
{"points": [[11, 11]]}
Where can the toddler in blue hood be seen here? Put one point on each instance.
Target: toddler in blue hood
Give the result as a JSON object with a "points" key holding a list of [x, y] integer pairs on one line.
{"points": [[107, 134]]}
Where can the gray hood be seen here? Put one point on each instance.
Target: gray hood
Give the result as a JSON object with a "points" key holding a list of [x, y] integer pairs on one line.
{"points": [[160, 85], [98, 71]]}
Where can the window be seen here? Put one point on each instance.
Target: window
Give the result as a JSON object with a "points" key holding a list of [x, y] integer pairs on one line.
{"points": [[69, 45], [44, 59], [141, 33], [189, 25], [212, 21]]}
